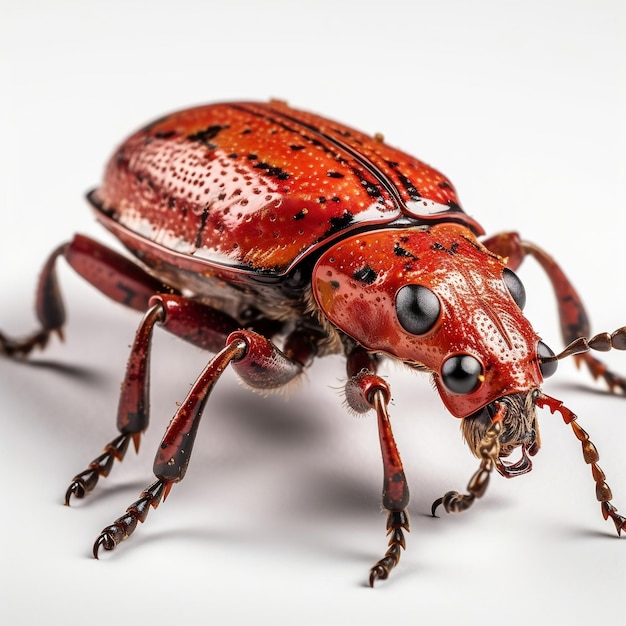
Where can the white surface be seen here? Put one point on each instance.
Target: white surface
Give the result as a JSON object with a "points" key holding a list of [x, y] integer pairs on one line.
{"points": [[278, 518]]}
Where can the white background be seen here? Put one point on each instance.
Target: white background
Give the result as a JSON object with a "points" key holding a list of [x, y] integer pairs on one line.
{"points": [[522, 105]]}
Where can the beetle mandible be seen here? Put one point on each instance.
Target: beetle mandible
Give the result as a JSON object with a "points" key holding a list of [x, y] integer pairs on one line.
{"points": [[271, 236]]}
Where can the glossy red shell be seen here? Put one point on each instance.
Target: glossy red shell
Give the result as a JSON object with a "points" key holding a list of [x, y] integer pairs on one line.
{"points": [[257, 187]]}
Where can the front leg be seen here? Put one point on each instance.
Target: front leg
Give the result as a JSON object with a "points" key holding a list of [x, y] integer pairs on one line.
{"points": [[364, 391]]}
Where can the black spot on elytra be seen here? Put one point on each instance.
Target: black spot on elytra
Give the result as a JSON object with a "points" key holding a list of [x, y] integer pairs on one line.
{"points": [[409, 187], [365, 275], [444, 184], [272, 170], [321, 199], [233, 155], [297, 147], [333, 174], [203, 220], [372, 190], [335, 284], [342, 131], [205, 136], [337, 224], [300, 214], [252, 157], [405, 182]]}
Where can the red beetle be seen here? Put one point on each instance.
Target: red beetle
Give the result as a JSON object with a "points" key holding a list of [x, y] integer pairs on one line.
{"points": [[272, 236]]}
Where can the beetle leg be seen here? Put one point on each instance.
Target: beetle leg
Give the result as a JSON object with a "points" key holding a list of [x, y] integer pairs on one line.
{"points": [[133, 408], [489, 447], [591, 457], [193, 321], [395, 490], [573, 318], [175, 450], [259, 363], [136, 512], [365, 390], [113, 274], [49, 308]]}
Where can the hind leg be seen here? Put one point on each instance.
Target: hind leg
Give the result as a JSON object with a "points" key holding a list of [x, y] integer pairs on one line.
{"points": [[110, 272]]}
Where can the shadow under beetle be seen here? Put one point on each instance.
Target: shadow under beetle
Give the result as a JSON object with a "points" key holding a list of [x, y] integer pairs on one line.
{"points": [[271, 236]]}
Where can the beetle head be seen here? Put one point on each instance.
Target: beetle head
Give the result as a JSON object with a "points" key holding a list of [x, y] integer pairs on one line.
{"points": [[434, 298]]}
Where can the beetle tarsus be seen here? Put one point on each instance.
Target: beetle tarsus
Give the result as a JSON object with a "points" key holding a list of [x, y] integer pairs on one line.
{"points": [[21, 348], [599, 370], [436, 504], [125, 525], [84, 482], [105, 540], [608, 510], [76, 489], [453, 502], [397, 521]]}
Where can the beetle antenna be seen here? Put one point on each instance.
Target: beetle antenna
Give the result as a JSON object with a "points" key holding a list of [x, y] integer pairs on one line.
{"points": [[602, 342]]}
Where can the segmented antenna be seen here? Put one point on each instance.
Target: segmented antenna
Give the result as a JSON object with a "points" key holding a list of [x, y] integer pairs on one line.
{"points": [[602, 342]]}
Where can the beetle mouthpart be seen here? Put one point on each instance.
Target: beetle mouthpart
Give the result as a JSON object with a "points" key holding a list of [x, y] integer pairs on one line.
{"points": [[516, 416], [511, 470]]}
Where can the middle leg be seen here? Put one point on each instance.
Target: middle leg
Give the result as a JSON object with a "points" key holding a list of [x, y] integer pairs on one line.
{"points": [[259, 363], [195, 322]]}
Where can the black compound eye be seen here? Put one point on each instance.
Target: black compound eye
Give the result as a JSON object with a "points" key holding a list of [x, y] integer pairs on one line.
{"points": [[515, 287], [461, 373], [548, 368], [417, 308]]}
